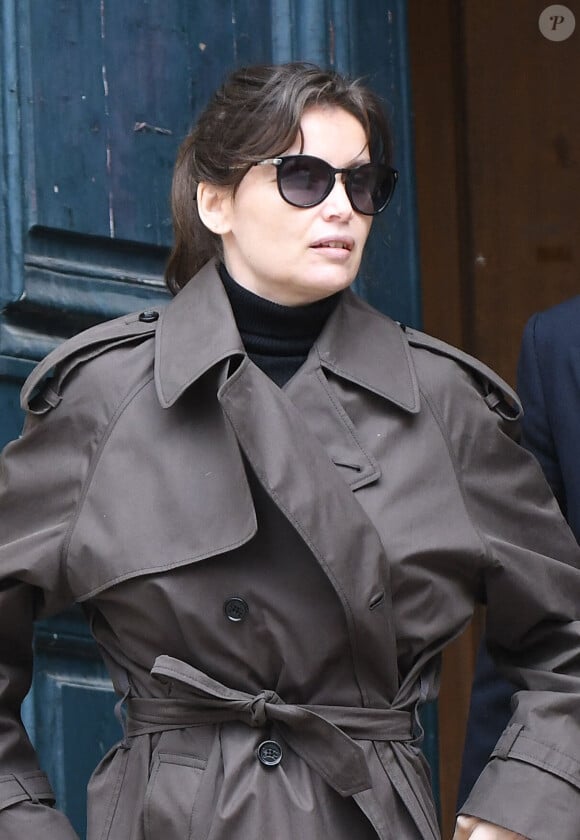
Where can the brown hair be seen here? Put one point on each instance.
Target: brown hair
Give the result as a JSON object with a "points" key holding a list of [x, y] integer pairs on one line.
{"points": [[255, 114]]}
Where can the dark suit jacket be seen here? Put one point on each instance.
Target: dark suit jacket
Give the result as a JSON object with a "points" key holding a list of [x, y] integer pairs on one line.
{"points": [[548, 383]]}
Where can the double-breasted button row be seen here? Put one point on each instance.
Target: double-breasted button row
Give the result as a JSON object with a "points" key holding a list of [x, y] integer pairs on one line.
{"points": [[269, 752], [236, 609]]}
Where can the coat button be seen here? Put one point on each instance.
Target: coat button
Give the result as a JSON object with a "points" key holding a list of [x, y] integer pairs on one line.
{"points": [[148, 316], [236, 609], [270, 753]]}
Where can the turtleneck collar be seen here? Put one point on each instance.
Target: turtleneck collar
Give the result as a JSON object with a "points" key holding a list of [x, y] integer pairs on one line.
{"points": [[277, 338]]}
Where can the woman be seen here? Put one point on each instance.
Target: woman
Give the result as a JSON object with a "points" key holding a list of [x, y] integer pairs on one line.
{"points": [[276, 507]]}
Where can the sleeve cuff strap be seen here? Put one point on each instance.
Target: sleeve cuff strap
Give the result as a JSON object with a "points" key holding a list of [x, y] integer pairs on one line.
{"points": [[22, 787], [514, 743]]}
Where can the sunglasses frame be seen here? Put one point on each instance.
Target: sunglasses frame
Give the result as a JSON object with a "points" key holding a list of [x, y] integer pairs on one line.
{"points": [[279, 161]]}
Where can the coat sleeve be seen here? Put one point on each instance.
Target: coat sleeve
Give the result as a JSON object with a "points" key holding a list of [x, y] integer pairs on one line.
{"points": [[530, 575], [489, 712], [41, 477], [490, 698]]}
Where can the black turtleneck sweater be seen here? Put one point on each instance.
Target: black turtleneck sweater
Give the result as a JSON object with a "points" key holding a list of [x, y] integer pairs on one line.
{"points": [[276, 338]]}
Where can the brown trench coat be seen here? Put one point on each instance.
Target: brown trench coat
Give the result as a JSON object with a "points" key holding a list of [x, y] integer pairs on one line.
{"points": [[348, 522]]}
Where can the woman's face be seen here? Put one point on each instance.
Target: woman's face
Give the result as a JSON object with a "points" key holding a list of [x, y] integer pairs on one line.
{"points": [[293, 255]]}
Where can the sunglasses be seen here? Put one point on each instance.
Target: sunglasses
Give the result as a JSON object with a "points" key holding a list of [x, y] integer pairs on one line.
{"points": [[305, 181]]}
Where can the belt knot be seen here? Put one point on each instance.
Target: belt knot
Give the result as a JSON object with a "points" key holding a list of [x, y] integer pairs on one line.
{"points": [[257, 707]]}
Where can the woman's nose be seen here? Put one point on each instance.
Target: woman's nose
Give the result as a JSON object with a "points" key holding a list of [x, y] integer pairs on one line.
{"points": [[337, 202]]}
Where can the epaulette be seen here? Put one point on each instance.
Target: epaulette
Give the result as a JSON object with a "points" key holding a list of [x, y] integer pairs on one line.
{"points": [[498, 395], [43, 388]]}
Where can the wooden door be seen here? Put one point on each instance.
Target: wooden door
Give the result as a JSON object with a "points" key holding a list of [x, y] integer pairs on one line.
{"points": [[497, 130]]}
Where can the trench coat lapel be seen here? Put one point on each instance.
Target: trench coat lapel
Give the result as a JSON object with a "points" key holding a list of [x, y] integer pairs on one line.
{"points": [[370, 351], [303, 482], [310, 393]]}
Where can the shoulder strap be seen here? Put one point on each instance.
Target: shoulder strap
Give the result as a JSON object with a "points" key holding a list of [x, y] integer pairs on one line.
{"points": [[82, 347], [498, 395]]}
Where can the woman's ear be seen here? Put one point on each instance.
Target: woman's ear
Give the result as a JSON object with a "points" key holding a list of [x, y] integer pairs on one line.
{"points": [[214, 207]]}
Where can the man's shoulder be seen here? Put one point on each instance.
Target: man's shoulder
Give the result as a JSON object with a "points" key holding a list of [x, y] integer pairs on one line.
{"points": [[558, 323]]}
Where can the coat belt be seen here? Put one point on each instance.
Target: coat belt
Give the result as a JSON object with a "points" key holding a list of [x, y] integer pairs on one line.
{"points": [[321, 735]]}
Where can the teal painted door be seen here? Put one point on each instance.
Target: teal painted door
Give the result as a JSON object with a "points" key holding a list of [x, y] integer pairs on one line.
{"points": [[95, 98]]}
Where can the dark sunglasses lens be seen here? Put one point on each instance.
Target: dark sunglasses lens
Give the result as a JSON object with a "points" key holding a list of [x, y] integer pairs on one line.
{"points": [[371, 187], [303, 181]]}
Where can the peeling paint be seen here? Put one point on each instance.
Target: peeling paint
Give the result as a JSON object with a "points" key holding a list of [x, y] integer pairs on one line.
{"points": [[103, 68], [105, 86], [111, 217], [109, 154], [155, 129]]}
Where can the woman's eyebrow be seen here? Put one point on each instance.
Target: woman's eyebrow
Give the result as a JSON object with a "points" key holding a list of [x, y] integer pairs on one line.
{"points": [[364, 156]]}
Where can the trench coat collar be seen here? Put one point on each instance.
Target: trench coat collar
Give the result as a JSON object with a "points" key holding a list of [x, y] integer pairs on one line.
{"points": [[197, 330], [357, 343], [360, 344]]}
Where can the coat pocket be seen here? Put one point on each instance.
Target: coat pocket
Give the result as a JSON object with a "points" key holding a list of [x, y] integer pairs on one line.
{"points": [[170, 798]]}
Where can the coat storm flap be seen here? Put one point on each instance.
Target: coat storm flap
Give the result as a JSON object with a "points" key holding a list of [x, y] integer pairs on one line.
{"points": [[348, 521]]}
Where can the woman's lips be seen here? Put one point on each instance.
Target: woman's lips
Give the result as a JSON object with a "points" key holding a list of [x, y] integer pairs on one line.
{"points": [[343, 242]]}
